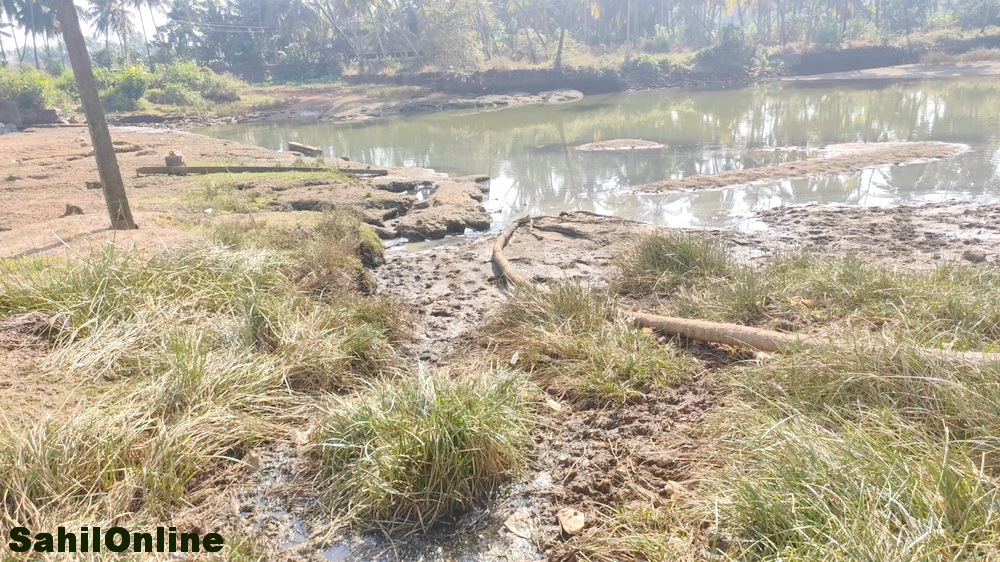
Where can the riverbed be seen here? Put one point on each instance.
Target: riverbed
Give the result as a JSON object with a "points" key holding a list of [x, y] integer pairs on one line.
{"points": [[530, 153]]}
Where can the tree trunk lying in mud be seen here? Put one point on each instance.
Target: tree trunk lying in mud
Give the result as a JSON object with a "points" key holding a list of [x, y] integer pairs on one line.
{"points": [[735, 335], [182, 170]]}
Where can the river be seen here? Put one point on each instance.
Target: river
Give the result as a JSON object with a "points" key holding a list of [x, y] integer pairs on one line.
{"points": [[529, 151]]}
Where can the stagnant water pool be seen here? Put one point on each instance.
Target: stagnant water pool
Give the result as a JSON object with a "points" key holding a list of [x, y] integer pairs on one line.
{"points": [[529, 151]]}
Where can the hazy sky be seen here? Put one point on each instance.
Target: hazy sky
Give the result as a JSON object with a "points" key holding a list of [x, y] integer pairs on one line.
{"points": [[8, 42]]}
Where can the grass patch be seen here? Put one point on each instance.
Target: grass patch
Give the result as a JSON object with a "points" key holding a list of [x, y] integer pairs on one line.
{"points": [[943, 397], [225, 196], [413, 450], [668, 259], [873, 449], [871, 488], [574, 339], [951, 306], [327, 256], [211, 351]]}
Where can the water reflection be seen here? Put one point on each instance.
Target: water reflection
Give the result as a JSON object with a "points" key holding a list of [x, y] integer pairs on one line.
{"points": [[528, 151]]}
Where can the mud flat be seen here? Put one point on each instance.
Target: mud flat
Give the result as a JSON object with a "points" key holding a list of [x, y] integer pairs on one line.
{"points": [[620, 144], [905, 72], [339, 104], [915, 235], [833, 159]]}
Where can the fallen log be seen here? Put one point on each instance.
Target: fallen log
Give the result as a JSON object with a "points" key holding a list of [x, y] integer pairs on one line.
{"points": [[304, 149], [736, 335], [183, 170]]}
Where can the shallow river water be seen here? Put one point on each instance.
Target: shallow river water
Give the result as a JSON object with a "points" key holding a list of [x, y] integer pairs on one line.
{"points": [[528, 151]]}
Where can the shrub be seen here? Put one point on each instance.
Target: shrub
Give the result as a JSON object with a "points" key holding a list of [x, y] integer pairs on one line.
{"points": [[29, 88], [175, 94], [661, 42], [411, 451], [643, 67], [828, 34], [731, 55]]}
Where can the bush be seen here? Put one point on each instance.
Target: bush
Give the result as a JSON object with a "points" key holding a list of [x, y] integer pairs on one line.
{"points": [[828, 34], [127, 87], [411, 451], [643, 67], [661, 42], [175, 94], [731, 55], [30, 89], [185, 83]]}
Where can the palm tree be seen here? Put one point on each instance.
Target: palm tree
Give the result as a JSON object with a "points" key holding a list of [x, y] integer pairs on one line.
{"points": [[34, 16], [112, 16], [150, 5]]}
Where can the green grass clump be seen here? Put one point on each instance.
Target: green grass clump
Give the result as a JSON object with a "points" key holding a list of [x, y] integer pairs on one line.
{"points": [[118, 285], [931, 391], [328, 255], [410, 451], [147, 444], [225, 195], [574, 338], [210, 352], [951, 306], [822, 487], [667, 259], [878, 450]]}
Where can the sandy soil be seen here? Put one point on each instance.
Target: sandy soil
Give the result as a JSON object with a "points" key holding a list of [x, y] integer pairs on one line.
{"points": [[907, 72], [620, 144], [46, 169], [343, 104], [833, 159]]}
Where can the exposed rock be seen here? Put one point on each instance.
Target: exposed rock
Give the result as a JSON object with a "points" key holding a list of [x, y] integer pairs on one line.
{"points": [[454, 206], [620, 144], [72, 210], [400, 184], [571, 520], [174, 158], [974, 255]]}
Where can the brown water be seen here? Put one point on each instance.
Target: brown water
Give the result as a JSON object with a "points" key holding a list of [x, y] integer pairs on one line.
{"points": [[529, 151]]}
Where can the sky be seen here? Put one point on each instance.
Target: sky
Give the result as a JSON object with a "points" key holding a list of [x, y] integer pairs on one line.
{"points": [[8, 42]]}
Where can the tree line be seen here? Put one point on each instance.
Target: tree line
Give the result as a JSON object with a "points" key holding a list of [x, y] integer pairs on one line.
{"points": [[322, 35]]}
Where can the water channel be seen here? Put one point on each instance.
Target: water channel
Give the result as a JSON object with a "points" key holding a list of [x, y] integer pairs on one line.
{"points": [[528, 151]]}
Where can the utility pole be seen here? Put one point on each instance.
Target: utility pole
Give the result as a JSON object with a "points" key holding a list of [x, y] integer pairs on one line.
{"points": [[104, 151]]}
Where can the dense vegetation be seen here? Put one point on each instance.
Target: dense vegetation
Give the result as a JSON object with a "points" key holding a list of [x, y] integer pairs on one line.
{"points": [[321, 37], [178, 86]]}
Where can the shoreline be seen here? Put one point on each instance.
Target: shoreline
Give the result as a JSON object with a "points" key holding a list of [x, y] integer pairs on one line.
{"points": [[366, 102]]}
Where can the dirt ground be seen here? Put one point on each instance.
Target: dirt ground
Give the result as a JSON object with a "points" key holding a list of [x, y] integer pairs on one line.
{"points": [[46, 169], [907, 72], [343, 104]]}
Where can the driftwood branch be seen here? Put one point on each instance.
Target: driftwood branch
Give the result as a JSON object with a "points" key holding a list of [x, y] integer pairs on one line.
{"points": [[736, 335]]}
